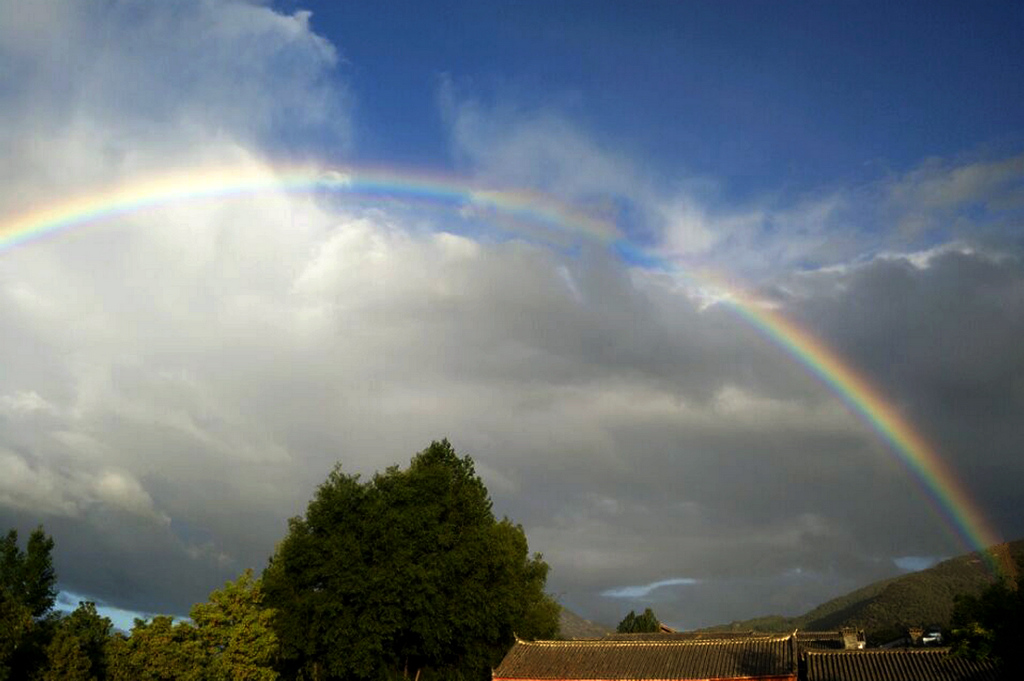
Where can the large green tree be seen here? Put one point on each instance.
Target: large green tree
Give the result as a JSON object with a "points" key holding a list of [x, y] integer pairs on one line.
{"points": [[236, 630], [407, 575], [27, 593]]}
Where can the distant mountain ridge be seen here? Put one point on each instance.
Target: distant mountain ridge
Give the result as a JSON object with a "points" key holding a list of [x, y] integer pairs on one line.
{"points": [[885, 609], [572, 626]]}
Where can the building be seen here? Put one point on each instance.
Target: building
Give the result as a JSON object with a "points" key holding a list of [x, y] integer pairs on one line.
{"points": [[755, 657], [921, 664], [689, 656]]}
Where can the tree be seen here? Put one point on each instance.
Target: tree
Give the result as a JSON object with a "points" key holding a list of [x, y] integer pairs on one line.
{"points": [[66, 660], [158, 650], [409, 574], [27, 593], [15, 625], [236, 630], [229, 638], [78, 648], [639, 624], [990, 626], [27, 576]]}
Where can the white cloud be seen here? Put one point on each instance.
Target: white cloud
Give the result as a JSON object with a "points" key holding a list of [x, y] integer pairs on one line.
{"points": [[645, 589], [24, 402], [120, 490], [46, 489], [938, 184], [686, 220]]}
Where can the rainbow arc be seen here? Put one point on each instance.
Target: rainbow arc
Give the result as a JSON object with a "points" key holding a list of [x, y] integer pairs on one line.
{"points": [[945, 492]]}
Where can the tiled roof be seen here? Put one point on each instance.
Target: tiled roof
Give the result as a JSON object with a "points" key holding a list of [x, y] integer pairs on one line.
{"points": [[750, 657], [934, 664], [820, 640], [684, 636], [806, 640]]}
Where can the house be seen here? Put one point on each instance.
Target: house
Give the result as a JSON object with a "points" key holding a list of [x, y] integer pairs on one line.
{"points": [[843, 639], [692, 656], [755, 657], [908, 664]]}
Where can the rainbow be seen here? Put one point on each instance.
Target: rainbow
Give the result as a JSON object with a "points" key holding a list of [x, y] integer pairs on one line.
{"points": [[524, 206], [944, 492], [942, 489]]}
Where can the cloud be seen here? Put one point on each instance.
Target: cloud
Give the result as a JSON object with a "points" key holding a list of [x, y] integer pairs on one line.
{"points": [[45, 489], [692, 221], [24, 403], [915, 563], [179, 379], [645, 589]]}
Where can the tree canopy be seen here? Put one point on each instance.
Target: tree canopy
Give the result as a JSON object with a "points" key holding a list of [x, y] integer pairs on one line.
{"points": [[990, 626], [229, 638], [407, 574], [639, 624], [27, 593], [27, 577]]}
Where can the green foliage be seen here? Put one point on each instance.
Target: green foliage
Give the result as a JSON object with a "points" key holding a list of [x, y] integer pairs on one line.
{"points": [[639, 624], [78, 648], [990, 625], [229, 639], [66, 660], [15, 626], [236, 631], [159, 650], [27, 594], [27, 577], [407, 574]]}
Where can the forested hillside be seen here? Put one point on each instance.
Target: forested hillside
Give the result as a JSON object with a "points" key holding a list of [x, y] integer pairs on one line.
{"points": [[885, 609], [571, 625]]}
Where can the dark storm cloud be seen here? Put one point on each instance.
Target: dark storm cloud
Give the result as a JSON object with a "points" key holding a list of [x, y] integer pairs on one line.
{"points": [[943, 339]]}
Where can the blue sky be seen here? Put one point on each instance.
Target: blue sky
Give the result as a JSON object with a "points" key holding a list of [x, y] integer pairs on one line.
{"points": [[764, 97], [180, 378]]}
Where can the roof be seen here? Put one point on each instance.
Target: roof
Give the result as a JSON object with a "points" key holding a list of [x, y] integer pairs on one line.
{"points": [[930, 664], [821, 640], [750, 657], [685, 636], [805, 639]]}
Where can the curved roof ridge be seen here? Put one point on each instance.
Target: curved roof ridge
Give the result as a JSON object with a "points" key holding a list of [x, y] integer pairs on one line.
{"points": [[930, 650], [650, 642]]}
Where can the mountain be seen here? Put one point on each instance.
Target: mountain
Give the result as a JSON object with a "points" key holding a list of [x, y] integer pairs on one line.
{"points": [[572, 626], [885, 609]]}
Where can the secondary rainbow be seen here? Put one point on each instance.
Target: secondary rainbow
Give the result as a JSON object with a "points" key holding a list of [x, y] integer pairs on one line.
{"points": [[945, 493]]}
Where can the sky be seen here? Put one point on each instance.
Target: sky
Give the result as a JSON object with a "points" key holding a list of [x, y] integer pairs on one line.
{"points": [[551, 230]]}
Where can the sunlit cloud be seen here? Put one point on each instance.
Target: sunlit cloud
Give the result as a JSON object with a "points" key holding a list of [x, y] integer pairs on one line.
{"points": [[645, 589]]}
